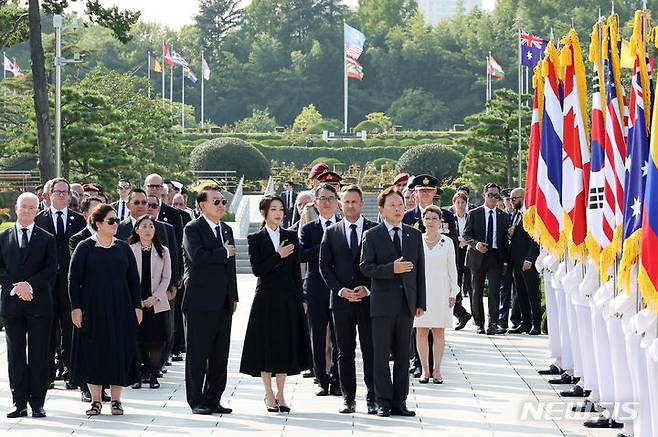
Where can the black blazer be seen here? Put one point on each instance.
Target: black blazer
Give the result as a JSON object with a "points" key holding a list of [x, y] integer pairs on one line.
{"points": [[171, 215], [78, 238], [522, 246], [414, 218], [338, 268], [284, 196], [377, 257], [37, 266], [75, 222], [310, 239], [210, 275], [275, 274], [476, 231]]}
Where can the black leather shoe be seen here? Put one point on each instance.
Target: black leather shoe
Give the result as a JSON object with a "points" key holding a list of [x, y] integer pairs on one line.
{"points": [[324, 391], [565, 378], [383, 411], [70, 386], [335, 390], [576, 392], [462, 322], [491, 331], [585, 407], [519, 330], [201, 410], [402, 411], [602, 422], [85, 397], [308, 374], [219, 409], [167, 363], [535, 331], [137, 385], [480, 330], [38, 412], [503, 325], [500, 331], [552, 370], [177, 357], [153, 383], [51, 385], [418, 372], [348, 408], [105, 397], [372, 407], [17, 412]]}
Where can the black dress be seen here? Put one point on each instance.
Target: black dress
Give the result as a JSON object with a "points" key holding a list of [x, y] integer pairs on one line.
{"points": [[276, 340], [104, 283], [153, 328]]}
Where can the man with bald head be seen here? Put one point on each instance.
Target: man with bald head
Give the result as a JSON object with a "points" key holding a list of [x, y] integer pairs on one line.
{"points": [[523, 254]]}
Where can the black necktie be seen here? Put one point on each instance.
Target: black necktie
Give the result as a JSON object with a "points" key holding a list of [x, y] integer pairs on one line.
{"points": [[490, 229], [327, 224], [354, 242], [218, 234], [396, 241], [121, 211], [60, 227], [24, 240]]}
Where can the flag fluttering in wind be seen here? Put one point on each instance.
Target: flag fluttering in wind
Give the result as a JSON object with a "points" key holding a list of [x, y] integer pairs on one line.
{"points": [[494, 69], [575, 145], [353, 68], [549, 168], [205, 70], [530, 199], [155, 65], [178, 59], [188, 73], [354, 40], [166, 55], [532, 49], [12, 67], [638, 153]]}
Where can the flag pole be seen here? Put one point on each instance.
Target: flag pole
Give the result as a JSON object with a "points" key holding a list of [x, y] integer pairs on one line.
{"points": [[202, 90], [148, 72], [164, 73], [182, 99], [345, 82], [171, 82], [519, 83]]}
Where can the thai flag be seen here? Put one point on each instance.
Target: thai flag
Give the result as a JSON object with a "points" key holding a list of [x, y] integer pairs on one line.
{"points": [[530, 199], [549, 168]]}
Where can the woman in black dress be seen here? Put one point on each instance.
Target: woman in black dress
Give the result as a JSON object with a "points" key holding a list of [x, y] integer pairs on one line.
{"points": [[276, 341], [106, 309], [154, 266]]}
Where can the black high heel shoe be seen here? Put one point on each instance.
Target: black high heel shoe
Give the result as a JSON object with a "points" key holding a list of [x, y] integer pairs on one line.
{"points": [[153, 383], [283, 408], [270, 409]]}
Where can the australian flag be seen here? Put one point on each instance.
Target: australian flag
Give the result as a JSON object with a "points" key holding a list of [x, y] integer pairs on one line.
{"points": [[532, 49]]}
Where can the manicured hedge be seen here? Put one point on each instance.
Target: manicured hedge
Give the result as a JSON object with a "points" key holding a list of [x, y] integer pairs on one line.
{"points": [[230, 154], [347, 155]]}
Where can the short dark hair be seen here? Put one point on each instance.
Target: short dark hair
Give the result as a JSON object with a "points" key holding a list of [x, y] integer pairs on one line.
{"points": [[135, 191], [352, 188], [157, 199], [433, 208], [124, 180], [325, 187], [202, 196], [38, 187], [86, 203], [291, 183], [264, 206], [58, 180], [392, 190], [492, 185], [98, 214], [464, 188]]}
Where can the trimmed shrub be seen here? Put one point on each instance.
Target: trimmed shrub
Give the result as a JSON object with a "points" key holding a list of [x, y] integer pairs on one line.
{"points": [[368, 125], [392, 143], [331, 125], [375, 143], [230, 154], [329, 161], [379, 162], [436, 159], [408, 142], [347, 155]]}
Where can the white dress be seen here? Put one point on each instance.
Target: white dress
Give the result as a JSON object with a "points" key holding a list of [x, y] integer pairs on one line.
{"points": [[440, 283]]}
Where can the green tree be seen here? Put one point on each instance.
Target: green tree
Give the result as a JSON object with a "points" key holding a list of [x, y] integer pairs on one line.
{"points": [[260, 121], [306, 119], [436, 159], [376, 17], [419, 109], [492, 142], [216, 18]]}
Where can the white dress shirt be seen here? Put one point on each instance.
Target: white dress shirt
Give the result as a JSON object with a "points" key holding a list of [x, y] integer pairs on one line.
{"points": [[486, 226], [348, 230], [323, 221], [122, 213], [213, 225], [275, 236], [391, 232], [53, 214], [461, 223]]}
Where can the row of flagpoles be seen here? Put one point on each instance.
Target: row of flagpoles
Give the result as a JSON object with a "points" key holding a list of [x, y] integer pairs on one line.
{"points": [[592, 182]]}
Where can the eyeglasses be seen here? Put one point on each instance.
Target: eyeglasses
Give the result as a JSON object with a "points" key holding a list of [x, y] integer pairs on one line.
{"points": [[112, 221], [179, 204], [124, 187], [154, 205], [218, 201], [139, 202], [327, 199], [516, 197], [154, 186], [493, 196], [60, 192]]}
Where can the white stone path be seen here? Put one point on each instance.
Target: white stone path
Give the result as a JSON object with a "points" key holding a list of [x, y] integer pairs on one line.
{"points": [[487, 380]]}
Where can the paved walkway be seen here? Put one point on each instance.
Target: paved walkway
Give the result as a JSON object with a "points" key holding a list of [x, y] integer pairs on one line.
{"points": [[487, 381]]}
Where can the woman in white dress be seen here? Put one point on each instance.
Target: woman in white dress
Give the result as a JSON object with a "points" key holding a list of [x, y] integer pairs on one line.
{"points": [[442, 288]]}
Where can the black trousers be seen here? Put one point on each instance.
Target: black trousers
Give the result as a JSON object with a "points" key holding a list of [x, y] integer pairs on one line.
{"points": [[208, 337], [171, 331], [179, 332], [390, 335], [507, 299], [529, 296], [346, 321], [61, 332], [319, 318], [491, 270], [29, 375]]}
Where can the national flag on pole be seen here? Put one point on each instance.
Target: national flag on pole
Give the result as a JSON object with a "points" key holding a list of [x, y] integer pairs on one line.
{"points": [[155, 65], [353, 68], [615, 151], [549, 167], [494, 69], [530, 199], [188, 73], [532, 49], [575, 146], [178, 59], [12, 67], [205, 70], [166, 55], [354, 41], [638, 154]]}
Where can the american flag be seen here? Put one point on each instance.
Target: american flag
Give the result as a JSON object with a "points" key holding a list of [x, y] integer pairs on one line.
{"points": [[354, 41]]}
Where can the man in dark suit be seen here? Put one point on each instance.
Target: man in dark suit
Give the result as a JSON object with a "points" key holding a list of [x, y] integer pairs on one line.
{"points": [[154, 184], [316, 292], [289, 198], [487, 256], [62, 222], [340, 254], [121, 205], [87, 206], [392, 255], [523, 254], [28, 267], [211, 297]]}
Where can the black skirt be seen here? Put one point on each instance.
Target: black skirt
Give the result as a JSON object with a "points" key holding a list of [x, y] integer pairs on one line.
{"points": [[153, 328]]}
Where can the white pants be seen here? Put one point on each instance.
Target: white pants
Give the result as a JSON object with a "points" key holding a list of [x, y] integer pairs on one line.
{"points": [[565, 338], [638, 367], [574, 335], [584, 321], [623, 390], [652, 388], [552, 318], [602, 354]]}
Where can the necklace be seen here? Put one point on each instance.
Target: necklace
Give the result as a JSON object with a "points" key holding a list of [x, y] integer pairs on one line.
{"points": [[431, 243], [146, 248], [104, 246]]}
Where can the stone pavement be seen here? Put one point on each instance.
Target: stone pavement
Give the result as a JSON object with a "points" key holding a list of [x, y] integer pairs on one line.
{"points": [[487, 380]]}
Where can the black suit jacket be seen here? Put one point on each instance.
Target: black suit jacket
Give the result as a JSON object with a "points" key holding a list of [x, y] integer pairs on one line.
{"points": [[522, 246], [171, 215], [414, 218], [210, 275], [377, 257], [37, 266], [310, 239], [476, 231], [75, 222], [284, 196], [338, 268], [78, 238]]}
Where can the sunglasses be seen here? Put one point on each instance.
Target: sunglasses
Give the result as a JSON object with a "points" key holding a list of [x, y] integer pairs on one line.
{"points": [[154, 186], [493, 196], [216, 202], [124, 187], [154, 205], [112, 221]]}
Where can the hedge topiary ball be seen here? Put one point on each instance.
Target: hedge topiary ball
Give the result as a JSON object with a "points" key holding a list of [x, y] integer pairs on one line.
{"points": [[230, 154]]}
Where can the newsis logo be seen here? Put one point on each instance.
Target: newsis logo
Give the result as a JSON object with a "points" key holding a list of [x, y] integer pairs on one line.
{"points": [[558, 410]]}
